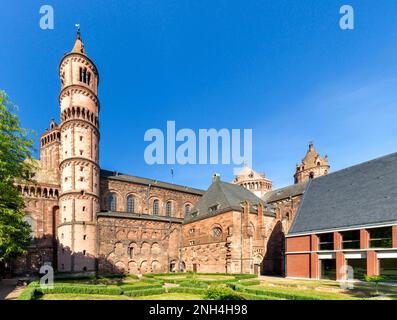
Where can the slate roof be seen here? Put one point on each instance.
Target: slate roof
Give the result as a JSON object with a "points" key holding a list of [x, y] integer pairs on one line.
{"points": [[155, 183], [226, 196], [361, 195], [284, 193]]}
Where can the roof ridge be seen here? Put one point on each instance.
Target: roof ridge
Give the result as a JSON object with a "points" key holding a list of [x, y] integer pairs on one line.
{"points": [[357, 165], [149, 179]]}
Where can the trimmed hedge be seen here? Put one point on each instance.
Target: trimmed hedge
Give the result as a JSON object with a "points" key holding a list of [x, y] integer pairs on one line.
{"points": [[186, 290], [275, 294], [28, 294], [250, 296], [193, 284], [146, 292], [126, 287], [241, 276], [153, 280], [247, 283], [81, 289]]}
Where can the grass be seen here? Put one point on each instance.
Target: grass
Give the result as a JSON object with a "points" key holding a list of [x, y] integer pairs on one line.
{"points": [[189, 286]]}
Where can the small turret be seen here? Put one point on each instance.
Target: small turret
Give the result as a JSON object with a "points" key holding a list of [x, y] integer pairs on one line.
{"points": [[312, 166]]}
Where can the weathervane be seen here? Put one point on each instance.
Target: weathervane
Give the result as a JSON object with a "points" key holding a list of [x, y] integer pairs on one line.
{"points": [[77, 25]]}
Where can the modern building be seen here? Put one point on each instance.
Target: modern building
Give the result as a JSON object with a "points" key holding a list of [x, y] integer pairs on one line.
{"points": [[347, 218]]}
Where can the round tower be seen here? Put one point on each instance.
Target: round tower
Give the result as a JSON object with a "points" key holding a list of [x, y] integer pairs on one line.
{"points": [[79, 161]]}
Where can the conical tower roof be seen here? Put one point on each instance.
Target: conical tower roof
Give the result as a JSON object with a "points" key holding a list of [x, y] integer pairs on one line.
{"points": [[78, 45]]}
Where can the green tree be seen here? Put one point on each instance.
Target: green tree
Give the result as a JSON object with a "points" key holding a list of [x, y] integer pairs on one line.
{"points": [[15, 164]]}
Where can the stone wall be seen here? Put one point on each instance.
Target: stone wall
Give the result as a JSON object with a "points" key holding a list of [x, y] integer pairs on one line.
{"points": [[138, 244]]}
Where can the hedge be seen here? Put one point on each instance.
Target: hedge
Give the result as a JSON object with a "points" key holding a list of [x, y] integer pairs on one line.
{"points": [[281, 295], [125, 288], [247, 283], [186, 290], [250, 296], [241, 276], [193, 284], [28, 294], [81, 289], [153, 280], [146, 292]]}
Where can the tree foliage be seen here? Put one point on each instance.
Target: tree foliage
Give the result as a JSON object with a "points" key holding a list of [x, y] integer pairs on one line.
{"points": [[15, 164]]}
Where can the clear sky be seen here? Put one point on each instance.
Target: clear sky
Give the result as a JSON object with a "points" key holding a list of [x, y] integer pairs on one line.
{"points": [[283, 68]]}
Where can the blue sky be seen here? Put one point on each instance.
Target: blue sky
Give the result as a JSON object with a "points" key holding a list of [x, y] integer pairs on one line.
{"points": [[283, 68]]}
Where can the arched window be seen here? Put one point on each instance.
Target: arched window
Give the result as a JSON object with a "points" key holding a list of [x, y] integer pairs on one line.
{"points": [[130, 204], [168, 208], [112, 202], [311, 175], [187, 209], [156, 207]]}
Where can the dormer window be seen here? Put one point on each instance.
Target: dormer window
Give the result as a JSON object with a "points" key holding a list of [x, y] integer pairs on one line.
{"points": [[213, 208]]}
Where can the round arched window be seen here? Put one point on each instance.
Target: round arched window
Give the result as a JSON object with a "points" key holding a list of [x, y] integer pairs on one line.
{"points": [[216, 232]]}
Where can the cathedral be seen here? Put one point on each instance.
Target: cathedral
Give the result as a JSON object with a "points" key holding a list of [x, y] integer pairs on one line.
{"points": [[85, 219]]}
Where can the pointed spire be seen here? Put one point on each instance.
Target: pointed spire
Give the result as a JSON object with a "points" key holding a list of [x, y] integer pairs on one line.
{"points": [[78, 45]]}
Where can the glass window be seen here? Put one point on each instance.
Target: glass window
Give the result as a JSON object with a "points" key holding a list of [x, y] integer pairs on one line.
{"points": [[187, 209], [130, 204], [216, 232], [351, 239], [112, 202], [156, 207], [388, 269], [168, 208], [380, 237], [326, 241]]}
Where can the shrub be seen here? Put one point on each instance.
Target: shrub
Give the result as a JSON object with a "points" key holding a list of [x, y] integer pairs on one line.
{"points": [[28, 294], [33, 284], [241, 276], [146, 292], [247, 283], [186, 290], [153, 280], [139, 287], [277, 294], [250, 296], [376, 280], [222, 293], [81, 289], [193, 284]]}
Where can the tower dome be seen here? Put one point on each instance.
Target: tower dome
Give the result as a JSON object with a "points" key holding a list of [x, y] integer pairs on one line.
{"points": [[253, 181]]}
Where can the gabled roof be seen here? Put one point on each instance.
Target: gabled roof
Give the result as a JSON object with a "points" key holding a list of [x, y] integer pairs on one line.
{"points": [[154, 183], [358, 196], [286, 192], [224, 197]]}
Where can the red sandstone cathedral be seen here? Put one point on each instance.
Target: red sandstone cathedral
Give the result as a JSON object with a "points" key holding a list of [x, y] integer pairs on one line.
{"points": [[85, 219]]}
